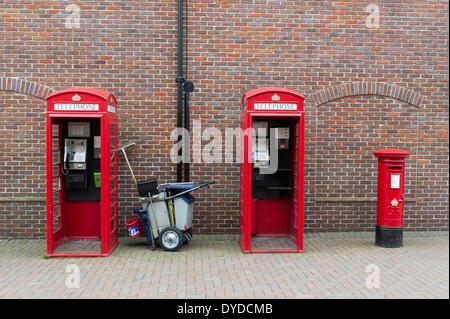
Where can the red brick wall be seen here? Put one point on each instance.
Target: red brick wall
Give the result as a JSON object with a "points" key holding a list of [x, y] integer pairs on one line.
{"points": [[129, 49]]}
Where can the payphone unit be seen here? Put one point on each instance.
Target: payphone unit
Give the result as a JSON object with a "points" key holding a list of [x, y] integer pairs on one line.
{"points": [[75, 160], [74, 154], [75, 148], [81, 173], [271, 196]]}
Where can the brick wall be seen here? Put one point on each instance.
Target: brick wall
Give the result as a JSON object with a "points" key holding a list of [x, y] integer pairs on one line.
{"points": [[365, 88]]}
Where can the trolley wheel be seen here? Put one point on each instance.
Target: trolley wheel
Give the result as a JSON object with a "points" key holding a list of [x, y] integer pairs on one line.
{"points": [[171, 239]]}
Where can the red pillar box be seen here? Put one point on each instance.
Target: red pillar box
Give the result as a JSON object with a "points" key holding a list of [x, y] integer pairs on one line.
{"points": [[272, 152], [391, 176], [81, 147]]}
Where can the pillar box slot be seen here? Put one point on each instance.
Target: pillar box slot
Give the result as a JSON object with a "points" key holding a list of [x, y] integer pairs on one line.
{"points": [[81, 145], [271, 196]]}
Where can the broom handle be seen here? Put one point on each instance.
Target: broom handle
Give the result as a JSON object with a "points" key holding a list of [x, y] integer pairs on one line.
{"points": [[129, 166]]}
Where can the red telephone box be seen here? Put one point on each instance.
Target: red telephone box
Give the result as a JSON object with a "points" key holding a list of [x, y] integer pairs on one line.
{"points": [[81, 147], [272, 152], [391, 176]]}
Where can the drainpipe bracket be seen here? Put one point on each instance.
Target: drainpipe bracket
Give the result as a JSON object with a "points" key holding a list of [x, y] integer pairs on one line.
{"points": [[188, 86]]}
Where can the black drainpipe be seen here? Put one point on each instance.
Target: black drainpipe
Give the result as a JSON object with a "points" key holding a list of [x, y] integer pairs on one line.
{"points": [[180, 81], [188, 88]]}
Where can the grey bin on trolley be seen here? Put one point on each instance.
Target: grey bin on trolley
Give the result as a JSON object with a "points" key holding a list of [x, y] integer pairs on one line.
{"points": [[170, 211], [184, 206], [160, 213]]}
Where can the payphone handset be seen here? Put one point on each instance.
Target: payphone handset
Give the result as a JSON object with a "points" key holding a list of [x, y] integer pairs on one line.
{"points": [[75, 154]]}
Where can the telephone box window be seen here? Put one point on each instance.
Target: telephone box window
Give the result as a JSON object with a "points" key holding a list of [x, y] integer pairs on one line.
{"points": [[79, 129]]}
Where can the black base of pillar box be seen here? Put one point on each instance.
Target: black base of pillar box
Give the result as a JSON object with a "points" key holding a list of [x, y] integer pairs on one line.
{"points": [[389, 237]]}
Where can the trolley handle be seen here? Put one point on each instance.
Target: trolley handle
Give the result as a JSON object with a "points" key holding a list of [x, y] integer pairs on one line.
{"points": [[190, 190]]}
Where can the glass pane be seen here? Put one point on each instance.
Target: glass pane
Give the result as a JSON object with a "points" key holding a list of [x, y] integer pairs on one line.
{"points": [[113, 139], [56, 157], [113, 163], [55, 143], [113, 196], [56, 218], [55, 130], [55, 170], [56, 184], [56, 197]]}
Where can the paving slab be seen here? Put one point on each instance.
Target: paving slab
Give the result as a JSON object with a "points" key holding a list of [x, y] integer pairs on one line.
{"points": [[333, 265]]}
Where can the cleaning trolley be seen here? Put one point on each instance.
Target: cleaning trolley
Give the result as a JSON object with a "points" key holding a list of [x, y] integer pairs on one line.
{"points": [[166, 211]]}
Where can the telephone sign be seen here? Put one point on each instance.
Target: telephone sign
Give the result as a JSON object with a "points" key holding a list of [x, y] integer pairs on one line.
{"points": [[75, 107], [275, 106]]}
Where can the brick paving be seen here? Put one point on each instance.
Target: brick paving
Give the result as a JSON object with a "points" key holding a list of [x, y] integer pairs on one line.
{"points": [[334, 265]]}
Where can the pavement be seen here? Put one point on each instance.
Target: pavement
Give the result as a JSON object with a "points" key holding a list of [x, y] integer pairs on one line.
{"points": [[334, 265]]}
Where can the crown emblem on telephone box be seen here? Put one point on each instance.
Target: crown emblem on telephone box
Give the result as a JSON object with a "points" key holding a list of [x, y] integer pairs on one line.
{"points": [[76, 98], [275, 97]]}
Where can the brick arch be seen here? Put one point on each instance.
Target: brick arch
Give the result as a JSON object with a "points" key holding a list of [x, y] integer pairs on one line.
{"points": [[25, 87], [382, 89], [366, 88]]}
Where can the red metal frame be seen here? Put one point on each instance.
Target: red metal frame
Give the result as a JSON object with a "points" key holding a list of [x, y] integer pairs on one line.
{"points": [[247, 224], [107, 222]]}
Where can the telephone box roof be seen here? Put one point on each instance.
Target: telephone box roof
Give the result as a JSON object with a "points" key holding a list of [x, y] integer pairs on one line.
{"points": [[255, 92], [96, 92]]}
